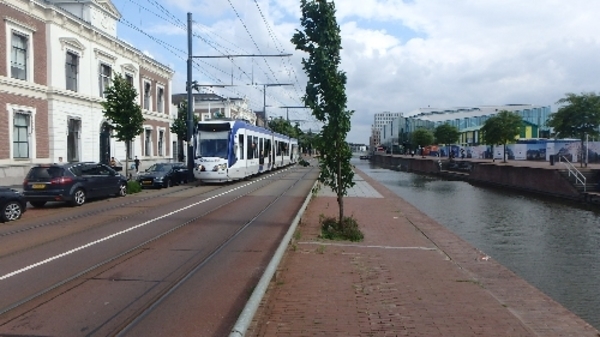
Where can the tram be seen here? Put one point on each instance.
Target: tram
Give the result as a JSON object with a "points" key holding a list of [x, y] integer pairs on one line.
{"points": [[228, 150]]}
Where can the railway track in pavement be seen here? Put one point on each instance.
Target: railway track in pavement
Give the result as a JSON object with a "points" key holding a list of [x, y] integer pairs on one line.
{"points": [[131, 261]]}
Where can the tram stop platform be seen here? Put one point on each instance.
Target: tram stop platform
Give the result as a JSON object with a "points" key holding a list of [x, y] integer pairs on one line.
{"points": [[409, 277]]}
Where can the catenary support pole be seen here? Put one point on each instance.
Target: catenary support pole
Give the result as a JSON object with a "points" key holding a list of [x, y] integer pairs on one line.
{"points": [[190, 105]]}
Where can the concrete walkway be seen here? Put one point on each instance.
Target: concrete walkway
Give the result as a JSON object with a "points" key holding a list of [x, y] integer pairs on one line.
{"points": [[409, 277]]}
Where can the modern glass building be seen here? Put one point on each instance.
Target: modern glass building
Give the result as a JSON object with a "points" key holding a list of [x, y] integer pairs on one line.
{"points": [[468, 120]]}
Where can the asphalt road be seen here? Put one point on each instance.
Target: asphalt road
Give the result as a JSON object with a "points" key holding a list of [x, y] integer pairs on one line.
{"points": [[181, 261]]}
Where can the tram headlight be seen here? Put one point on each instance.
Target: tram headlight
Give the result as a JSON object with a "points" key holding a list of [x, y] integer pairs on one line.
{"points": [[201, 168], [219, 167]]}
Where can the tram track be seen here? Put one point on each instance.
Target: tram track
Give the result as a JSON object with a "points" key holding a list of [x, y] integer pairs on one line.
{"points": [[196, 266], [174, 281], [115, 204]]}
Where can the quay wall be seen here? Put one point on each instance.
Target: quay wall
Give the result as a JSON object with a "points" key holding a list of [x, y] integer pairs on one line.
{"points": [[530, 179]]}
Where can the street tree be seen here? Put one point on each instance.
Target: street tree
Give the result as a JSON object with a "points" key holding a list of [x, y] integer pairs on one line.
{"points": [[283, 126], [578, 117], [422, 137], [446, 134], [502, 129], [326, 94], [179, 127], [123, 112]]}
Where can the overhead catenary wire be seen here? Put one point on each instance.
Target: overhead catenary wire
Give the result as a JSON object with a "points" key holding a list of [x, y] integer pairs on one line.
{"points": [[212, 72]]}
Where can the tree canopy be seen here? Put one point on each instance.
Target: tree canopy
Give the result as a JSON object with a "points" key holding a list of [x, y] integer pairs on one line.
{"points": [[179, 127], [578, 116], [326, 93], [123, 112], [502, 129], [422, 137], [446, 134]]}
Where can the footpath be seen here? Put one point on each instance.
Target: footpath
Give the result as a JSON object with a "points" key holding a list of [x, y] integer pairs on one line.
{"points": [[409, 277]]}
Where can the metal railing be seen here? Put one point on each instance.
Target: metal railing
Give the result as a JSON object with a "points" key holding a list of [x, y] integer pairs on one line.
{"points": [[579, 177]]}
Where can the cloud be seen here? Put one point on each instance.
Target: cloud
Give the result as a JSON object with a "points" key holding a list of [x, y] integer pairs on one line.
{"points": [[398, 55]]}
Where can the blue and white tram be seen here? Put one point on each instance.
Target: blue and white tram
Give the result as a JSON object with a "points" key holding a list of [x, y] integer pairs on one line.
{"points": [[227, 150]]}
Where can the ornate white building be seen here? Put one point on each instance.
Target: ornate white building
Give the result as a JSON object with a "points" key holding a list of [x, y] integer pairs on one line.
{"points": [[211, 106], [56, 59]]}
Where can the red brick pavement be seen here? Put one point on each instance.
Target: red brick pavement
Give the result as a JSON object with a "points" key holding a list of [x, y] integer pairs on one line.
{"points": [[409, 277]]}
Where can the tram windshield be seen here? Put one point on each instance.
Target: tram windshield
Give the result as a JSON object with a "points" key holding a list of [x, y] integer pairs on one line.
{"points": [[212, 144]]}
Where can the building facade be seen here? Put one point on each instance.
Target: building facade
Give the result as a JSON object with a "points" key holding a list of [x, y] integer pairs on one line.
{"points": [[380, 120], [59, 57], [468, 120], [212, 106]]}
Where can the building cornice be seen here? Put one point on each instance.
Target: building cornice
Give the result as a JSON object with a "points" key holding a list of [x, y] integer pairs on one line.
{"points": [[22, 88], [19, 24]]}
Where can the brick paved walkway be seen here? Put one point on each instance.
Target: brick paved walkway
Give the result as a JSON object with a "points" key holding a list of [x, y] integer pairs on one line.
{"points": [[409, 277]]}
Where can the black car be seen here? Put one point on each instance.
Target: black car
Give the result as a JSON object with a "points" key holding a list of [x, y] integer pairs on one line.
{"points": [[12, 204], [73, 183], [163, 175]]}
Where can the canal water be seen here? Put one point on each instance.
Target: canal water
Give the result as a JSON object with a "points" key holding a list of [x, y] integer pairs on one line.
{"points": [[552, 244]]}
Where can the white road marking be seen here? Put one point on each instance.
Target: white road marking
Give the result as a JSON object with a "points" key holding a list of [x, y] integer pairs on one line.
{"points": [[74, 250]]}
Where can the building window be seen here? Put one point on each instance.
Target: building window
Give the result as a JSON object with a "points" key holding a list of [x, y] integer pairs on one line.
{"points": [[72, 70], [105, 76], [161, 141], [147, 95], [21, 125], [74, 129], [129, 79], [160, 99], [148, 143], [18, 57]]}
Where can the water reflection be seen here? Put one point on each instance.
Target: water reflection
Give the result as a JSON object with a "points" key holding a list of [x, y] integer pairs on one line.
{"points": [[552, 244]]}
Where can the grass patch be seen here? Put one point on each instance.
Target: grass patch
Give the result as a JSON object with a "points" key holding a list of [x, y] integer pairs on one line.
{"points": [[133, 187], [321, 249], [347, 230], [297, 235]]}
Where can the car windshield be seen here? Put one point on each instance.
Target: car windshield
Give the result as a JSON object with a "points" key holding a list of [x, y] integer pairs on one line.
{"points": [[159, 168]]}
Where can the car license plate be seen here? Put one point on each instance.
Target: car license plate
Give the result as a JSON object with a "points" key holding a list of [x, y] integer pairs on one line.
{"points": [[38, 186], [147, 182]]}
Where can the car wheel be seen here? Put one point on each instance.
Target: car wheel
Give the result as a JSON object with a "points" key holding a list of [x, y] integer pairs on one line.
{"points": [[123, 190], [11, 211], [78, 197], [37, 203]]}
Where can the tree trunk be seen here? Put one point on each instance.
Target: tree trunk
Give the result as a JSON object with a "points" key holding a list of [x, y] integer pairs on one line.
{"points": [[127, 159], [504, 154], [340, 196]]}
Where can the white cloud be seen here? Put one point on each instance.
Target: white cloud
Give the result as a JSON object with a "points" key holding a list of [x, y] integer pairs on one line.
{"points": [[399, 55]]}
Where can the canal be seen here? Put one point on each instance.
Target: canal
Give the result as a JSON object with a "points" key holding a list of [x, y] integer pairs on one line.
{"points": [[553, 244]]}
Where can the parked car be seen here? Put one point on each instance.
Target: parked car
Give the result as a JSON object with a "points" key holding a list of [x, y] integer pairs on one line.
{"points": [[72, 183], [163, 175], [12, 204]]}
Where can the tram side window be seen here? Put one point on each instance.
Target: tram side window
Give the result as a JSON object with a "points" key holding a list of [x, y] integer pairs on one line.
{"points": [[267, 148], [241, 144], [255, 147], [251, 147]]}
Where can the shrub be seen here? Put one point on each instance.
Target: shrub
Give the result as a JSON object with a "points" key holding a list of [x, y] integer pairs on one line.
{"points": [[346, 230], [133, 187], [303, 162]]}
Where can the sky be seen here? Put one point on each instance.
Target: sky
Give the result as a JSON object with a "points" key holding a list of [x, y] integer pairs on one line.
{"points": [[398, 55]]}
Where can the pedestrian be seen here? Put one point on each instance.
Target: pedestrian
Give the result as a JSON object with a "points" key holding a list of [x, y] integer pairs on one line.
{"points": [[113, 162], [462, 153], [136, 162]]}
